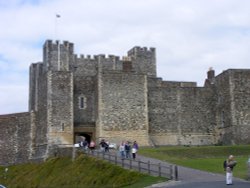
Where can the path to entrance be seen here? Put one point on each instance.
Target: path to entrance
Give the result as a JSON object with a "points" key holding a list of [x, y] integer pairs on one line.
{"points": [[191, 178]]}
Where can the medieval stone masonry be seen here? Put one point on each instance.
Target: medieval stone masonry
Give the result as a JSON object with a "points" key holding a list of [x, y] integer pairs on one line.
{"points": [[119, 99]]}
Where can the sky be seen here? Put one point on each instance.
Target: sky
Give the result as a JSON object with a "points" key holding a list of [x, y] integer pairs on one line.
{"points": [[190, 36]]}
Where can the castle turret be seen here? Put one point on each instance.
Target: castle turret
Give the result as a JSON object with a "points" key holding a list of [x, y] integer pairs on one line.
{"points": [[35, 74], [58, 57], [51, 96], [210, 77], [143, 60]]}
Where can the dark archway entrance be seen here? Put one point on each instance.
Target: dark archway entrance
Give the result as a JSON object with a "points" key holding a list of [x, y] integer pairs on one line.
{"points": [[84, 131], [80, 136]]}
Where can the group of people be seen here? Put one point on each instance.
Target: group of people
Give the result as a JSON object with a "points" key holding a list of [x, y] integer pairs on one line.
{"points": [[104, 145], [126, 149], [85, 145]]}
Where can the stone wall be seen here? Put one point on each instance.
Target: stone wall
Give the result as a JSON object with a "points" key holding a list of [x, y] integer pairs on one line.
{"points": [[60, 107], [14, 138], [58, 57], [122, 107], [224, 126], [236, 126], [180, 114], [36, 69], [39, 128], [84, 87], [143, 60]]}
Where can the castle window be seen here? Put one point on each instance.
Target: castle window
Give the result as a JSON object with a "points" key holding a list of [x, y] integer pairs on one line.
{"points": [[82, 102], [223, 119]]}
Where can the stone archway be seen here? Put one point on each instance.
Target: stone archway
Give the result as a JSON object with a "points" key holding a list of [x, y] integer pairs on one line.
{"points": [[84, 131], [82, 135]]}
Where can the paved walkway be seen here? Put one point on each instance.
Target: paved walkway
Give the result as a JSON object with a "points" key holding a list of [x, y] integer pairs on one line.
{"points": [[191, 178]]}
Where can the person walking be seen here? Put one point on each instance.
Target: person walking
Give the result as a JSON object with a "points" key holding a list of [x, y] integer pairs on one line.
{"points": [[103, 146], [127, 150], [122, 150], [84, 144], [229, 164], [92, 146], [134, 149]]}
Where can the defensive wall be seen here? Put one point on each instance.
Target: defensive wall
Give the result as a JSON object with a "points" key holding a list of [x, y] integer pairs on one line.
{"points": [[15, 142], [180, 113], [122, 113], [233, 106]]}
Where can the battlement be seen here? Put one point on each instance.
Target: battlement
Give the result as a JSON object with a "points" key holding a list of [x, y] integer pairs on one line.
{"points": [[174, 84], [96, 57], [60, 56], [50, 44], [141, 50], [57, 56]]}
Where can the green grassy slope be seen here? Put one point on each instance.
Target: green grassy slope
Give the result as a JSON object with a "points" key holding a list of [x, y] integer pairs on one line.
{"points": [[83, 172], [208, 158]]}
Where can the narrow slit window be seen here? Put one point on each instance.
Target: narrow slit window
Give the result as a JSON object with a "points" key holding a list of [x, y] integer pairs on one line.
{"points": [[62, 126], [223, 119], [82, 102]]}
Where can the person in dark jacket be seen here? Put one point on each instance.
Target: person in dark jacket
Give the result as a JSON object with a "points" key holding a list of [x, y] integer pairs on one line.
{"points": [[230, 164], [127, 150], [104, 146]]}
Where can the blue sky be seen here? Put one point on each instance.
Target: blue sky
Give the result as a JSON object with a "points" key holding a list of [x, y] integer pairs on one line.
{"points": [[189, 35]]}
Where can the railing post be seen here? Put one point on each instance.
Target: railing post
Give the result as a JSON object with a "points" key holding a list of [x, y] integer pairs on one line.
{"points": [[130, 163], [176, 173], [116, 159], [159, 168], [248, 169], [149, 167], [73, 153], [139, 165], [171, 172]]}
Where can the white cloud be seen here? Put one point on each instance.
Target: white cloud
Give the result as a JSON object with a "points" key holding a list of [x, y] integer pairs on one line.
{"points": [[190, 36]]}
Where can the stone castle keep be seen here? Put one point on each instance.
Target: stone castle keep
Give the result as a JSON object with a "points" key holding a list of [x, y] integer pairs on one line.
{"points": [[122, 99]]}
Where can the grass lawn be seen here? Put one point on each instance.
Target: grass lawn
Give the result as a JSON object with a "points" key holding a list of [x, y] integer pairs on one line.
{"points": [[83, 172], [207, 158]]}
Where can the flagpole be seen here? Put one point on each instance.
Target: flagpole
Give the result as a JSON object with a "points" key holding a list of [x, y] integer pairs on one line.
{"points": [[58, 50]]}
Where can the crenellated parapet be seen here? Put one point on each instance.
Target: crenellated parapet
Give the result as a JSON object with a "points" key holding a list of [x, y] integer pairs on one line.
{"points": [[58, 56], [137, 50], [104, 57], [53, 45], [143, 60]]}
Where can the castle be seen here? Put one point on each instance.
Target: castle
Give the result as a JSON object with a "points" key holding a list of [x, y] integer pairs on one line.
{"points": [[119, 99]]}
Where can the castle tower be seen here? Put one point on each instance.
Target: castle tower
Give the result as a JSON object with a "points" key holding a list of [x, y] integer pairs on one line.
{"points": [[58, 57], [57, 60], [51, 97], [143, 60], [210, 77], [36, 70], [122, 103]]}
